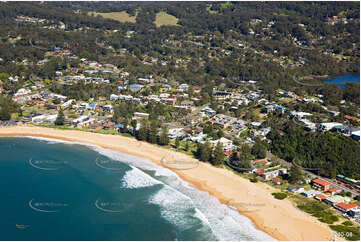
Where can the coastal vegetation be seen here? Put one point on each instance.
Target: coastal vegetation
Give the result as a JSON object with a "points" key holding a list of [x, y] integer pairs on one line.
{"points": [[320, 211], [328, 152], [279, 195], [7, 108]]}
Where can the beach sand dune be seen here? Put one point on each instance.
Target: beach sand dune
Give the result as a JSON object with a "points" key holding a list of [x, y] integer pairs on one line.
{"points": [[278, 218]]}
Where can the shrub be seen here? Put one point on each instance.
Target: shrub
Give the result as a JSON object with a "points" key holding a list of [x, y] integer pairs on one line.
{"points": [[279, 195], [347, 223]]}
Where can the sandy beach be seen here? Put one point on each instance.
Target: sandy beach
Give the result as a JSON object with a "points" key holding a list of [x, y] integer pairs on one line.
{"points": [[278, 218]]}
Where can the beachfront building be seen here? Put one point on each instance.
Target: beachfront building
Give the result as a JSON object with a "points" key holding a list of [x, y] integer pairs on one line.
{"points": [[310, 193], [321, 185], [80, 120], [295, 189], [333, 200], [272, 174], [320, 197], [345, 207]]}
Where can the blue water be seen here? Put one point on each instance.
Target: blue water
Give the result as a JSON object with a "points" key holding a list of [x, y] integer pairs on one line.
{"points": [[52, 190], [341, 80]]}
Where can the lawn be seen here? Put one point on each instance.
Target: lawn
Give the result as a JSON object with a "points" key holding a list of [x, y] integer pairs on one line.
{"points": [[118, 16], [162, 18]]}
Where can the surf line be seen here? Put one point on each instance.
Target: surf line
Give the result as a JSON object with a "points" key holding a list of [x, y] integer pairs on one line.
{"points": [[42, 168], [40, 210]]}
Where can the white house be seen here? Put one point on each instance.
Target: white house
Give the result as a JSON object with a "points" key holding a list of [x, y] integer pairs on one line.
{"points": [[328, 126]]}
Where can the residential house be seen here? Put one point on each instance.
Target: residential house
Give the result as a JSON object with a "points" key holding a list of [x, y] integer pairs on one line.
{"points": [[192, 120], [333, 200], [187, 104], [320, 197], [356, 135], [345, 207], [300, 115], [320, 184], [328, 126], [259, 172], [222, 120], [310, 193], [135, 87], [222, 95], [295, 189], [273, 107], [272, 174], [276, 181], [138, 115], [226, 143], [80, 119], [183, 87], [354, 213], [165, 88]]}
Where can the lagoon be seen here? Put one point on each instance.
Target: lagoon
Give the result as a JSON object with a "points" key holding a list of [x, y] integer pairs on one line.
{"points": [[340, 81]]}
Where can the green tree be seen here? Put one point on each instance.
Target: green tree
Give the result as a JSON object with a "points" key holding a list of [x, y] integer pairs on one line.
{"points": [[177, 142], [142, 133], [60, 118], [5, 112], [218, 155], [152, 132], [163, 138], [259, 150], [239, 161], [206, 151], [295, 174], [133, 123], [186, 146]]}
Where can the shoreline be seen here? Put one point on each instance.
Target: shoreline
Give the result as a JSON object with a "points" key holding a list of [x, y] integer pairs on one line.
{"points": [[278, 218]]}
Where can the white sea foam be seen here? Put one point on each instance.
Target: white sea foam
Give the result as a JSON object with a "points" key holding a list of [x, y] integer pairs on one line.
{"points": [[177, 198], [135, 178]]}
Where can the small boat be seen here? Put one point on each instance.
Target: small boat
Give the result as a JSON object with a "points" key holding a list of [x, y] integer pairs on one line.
{"points": [[22, 226]]}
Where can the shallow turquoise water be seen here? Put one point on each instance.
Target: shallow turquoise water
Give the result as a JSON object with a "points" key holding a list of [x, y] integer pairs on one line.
{"points": [[65, 191]]}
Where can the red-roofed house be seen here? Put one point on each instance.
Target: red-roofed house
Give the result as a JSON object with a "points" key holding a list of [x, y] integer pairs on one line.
{"points": [[228, 153], [333, 190], [345, 207], [319, 184], [276, 181], [320, 197], [259, 172]]}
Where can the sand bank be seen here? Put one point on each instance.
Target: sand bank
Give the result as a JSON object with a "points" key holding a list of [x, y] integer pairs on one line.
{"points": [[278, 218]]}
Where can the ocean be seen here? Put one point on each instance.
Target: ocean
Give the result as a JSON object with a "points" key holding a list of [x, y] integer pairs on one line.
{"points": [[57, 190]]}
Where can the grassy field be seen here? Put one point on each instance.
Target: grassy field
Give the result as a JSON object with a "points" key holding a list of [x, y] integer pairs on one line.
{"points": [[118, 16], [162, 18]]}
